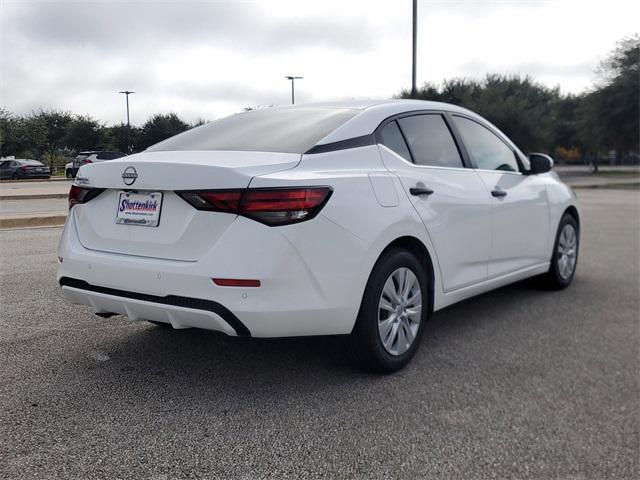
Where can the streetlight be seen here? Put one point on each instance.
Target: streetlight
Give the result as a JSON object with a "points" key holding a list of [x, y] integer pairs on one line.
{"points": [[127, 93], [415, 37], [293, 79]]}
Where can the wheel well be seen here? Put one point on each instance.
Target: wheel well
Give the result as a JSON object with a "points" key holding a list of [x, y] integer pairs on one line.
{"points": [[416, 247], [573, 211]]}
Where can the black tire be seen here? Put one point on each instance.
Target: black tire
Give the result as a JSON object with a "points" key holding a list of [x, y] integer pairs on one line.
{"points": [[364, 341], [68, 173], [15, 176], [553, 280]]}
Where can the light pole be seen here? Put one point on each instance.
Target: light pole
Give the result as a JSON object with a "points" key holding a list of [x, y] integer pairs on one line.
{"points": [[415, 37], [127, 93], [293, 80]]}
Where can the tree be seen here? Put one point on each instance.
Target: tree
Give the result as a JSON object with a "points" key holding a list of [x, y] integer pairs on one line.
{"points": [[160, 127], [611, 112], [20, 136], [116, 137], [84, 133], [10, 142], [47, 130]]}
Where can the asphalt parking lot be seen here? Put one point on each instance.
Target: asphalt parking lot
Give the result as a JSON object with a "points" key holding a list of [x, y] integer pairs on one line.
{"points": [[517, 383], [34, 207]]}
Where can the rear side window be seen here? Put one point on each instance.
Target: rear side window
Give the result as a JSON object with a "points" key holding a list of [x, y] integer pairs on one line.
{"points": [[486, 149], [430, 141], [391, 137], [286, 130]]}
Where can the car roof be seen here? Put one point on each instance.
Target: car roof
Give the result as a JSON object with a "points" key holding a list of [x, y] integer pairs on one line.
{"points": [[373, 112], [27, 160]]}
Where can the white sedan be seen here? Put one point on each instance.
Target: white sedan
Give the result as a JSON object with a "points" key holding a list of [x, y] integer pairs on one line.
{"points": [[350, 218]]}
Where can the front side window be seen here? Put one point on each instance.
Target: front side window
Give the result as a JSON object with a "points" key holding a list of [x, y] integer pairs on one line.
{"points": [[391, 137], [430, 141], [485, 148]]}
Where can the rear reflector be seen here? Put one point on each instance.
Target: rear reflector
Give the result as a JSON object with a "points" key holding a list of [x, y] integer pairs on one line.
{"points": [[79, 195], [231, 282], [271, 206]]}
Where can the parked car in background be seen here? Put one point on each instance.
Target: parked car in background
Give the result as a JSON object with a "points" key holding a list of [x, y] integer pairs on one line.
{"points": [[68, 170], [93, 157], [18, 168]]}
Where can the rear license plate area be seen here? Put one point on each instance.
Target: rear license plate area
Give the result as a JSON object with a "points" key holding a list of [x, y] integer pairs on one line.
{"points": [[140, 209]]}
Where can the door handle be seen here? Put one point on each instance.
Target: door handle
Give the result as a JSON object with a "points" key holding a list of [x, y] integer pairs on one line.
{"points": [[417, 191], [498, 192]]}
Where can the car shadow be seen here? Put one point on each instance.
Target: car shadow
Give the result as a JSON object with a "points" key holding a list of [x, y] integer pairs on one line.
{"points": [[170, 362]]}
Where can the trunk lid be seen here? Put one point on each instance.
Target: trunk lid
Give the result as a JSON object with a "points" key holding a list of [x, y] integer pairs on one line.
{"points": [[183, 233]]}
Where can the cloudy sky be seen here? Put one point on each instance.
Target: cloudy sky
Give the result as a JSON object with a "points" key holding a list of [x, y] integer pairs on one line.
{"points": [[212, 58]]}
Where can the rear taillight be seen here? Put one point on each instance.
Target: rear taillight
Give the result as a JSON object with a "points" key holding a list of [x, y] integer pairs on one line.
{"points": [[82, 194], [86, 160], [24, 168], [271, 206]]}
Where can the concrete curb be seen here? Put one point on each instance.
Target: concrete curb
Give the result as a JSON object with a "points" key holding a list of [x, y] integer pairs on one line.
{"points": [[615, 186], [34, 196], [49, 220], [27, 180]]}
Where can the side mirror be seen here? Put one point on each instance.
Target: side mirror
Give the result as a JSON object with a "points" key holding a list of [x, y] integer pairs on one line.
{"points": [[540, 163]]}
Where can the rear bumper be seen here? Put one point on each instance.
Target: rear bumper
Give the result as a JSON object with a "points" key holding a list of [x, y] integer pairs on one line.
{"points": [[180, 312], [308, 287]]}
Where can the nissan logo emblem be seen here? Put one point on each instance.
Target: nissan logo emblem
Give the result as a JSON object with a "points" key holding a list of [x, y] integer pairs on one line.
{"points": [[129, 175]]}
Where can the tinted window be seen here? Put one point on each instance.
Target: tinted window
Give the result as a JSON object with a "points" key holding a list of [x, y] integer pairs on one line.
{"points": [[110, 155], [391, 137], [78, 160], [287, 130], [485, 148], [430, 141]]}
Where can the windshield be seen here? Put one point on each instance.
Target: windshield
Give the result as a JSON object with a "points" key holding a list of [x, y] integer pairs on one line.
{"points": [[286, 130]]}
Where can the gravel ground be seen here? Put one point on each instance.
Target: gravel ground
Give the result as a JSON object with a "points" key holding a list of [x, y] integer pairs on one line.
{"points": [[517, 383]]}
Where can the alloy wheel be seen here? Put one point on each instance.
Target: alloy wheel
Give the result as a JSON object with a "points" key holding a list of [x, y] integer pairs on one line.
{"points": [[399, 311], [567, 251]]}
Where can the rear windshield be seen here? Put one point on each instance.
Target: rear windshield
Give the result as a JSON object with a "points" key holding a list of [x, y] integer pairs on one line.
{"points": [[286, 130]]}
